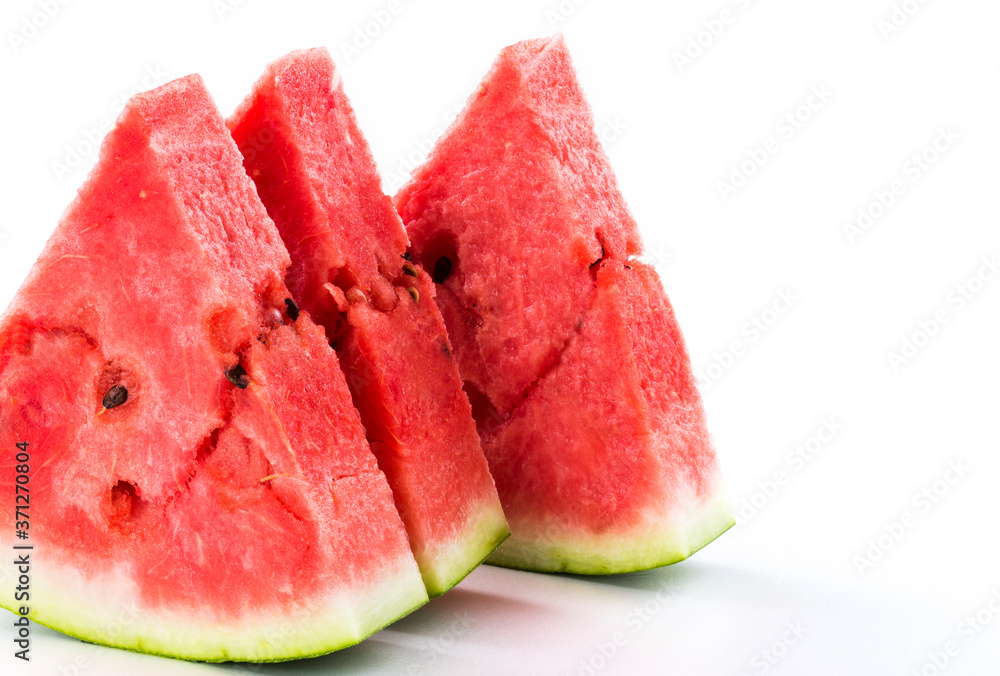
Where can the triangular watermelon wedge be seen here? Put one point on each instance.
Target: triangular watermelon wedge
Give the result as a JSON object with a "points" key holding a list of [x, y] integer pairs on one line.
{"points": [[315, 174], [199, 481], [570, 351]]}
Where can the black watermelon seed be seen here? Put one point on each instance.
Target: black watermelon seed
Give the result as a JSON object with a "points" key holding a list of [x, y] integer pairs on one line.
{"points": [[442, 269], [414, 294], [293, 309], [409, 270], [115, 397], [238, 377]]}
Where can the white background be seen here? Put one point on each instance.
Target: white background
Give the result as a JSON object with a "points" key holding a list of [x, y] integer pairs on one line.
{"points": [[674, 130]]}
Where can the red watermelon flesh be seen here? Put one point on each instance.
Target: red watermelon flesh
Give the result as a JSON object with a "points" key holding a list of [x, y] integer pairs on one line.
{"points": [[229, 508], [571, 354], [315, 174]]}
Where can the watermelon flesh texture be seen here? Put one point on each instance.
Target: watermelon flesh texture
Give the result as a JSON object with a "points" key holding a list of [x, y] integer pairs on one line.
{"points": [[212, 515], [315, 174], [577, 372]]}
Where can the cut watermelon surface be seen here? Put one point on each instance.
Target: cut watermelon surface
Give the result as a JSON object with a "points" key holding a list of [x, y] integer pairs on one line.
{"points": [[570, 352], [200, 484], [315, 174]]}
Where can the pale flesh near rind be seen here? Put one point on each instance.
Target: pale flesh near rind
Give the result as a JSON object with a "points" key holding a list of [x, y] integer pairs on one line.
{"points": [[658, 543], [107, 610]]}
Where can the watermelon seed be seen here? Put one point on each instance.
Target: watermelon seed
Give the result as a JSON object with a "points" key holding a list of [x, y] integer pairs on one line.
{"points": [[114, 397], [406, 256], [414, 294], [293, 309], [272, 316], [237, 375], [442, 269], [272, 476], [356, 295], [409, 270]]}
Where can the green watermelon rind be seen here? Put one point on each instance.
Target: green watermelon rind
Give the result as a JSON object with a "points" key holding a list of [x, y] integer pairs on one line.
{"points": [[621, 552], [468, 550], [274, 638]]}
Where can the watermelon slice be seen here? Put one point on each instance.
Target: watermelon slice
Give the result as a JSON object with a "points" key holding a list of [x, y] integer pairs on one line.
{"points": [[317, 178], [578, 375], [200, 485]]}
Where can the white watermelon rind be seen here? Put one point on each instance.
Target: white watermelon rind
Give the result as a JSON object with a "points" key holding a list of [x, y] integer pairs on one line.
{"points": [[658, 542], [106, 610], [451, 563]]}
